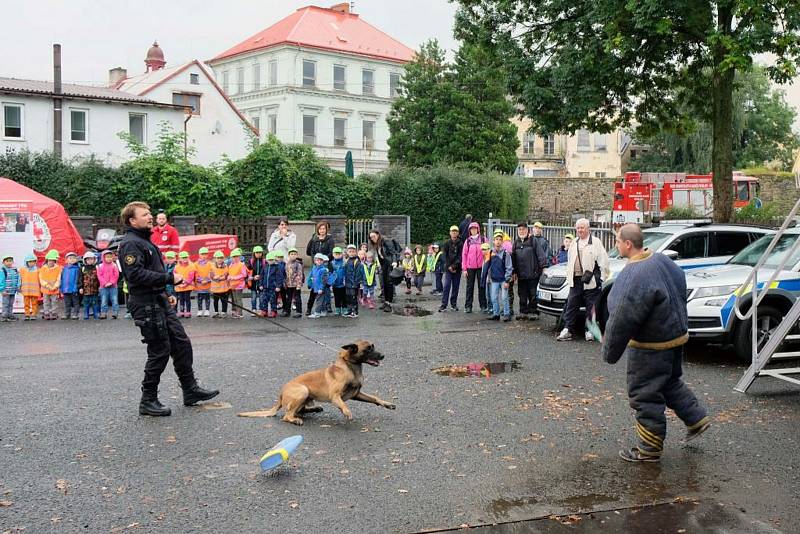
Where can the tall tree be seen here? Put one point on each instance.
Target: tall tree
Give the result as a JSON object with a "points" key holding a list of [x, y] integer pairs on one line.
{"points": [[453, 114], [602, 64]]}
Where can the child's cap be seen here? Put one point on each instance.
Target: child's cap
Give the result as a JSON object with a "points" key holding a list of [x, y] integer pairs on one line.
{"points": [[277, 253], [406, 251], [183, 254], [270, 256], [171, 255], [236, 252], [8, 257], [499, 233], [435, 245], [219, 254], [351, 246], [370, 254], [337, 250], [258, 248], [86, 255], [291, 250], [485, 246], [30, 257], [68, 254], [454, 227], [321, 256], [107, 252], [537, 224], [52, 254], [569, 236], [203, 250]]}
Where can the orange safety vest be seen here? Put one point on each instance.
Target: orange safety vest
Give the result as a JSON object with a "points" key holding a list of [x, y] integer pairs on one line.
{"points": [[50, 276], [29, 282], [202, 271], [185, 271], [237, 269], [219, 286]]}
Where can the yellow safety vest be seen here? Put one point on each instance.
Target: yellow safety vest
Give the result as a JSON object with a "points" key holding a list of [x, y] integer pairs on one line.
{"points": [[369, 273], [419, 264]]}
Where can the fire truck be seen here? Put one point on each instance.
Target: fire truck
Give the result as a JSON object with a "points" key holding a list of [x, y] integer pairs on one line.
{"points": [[650, 194]]}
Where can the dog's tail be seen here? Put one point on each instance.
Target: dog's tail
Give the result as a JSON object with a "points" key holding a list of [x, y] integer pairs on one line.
{"points": [[264, 413]]}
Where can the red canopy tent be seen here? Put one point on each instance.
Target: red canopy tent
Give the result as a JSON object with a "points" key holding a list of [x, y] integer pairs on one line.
{"points": [[52, 227]]}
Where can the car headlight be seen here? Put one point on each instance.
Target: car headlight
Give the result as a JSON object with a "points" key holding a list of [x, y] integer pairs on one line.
{"points": [[714, 291]]}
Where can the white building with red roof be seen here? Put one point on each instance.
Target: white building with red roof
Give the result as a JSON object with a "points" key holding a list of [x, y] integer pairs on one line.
{"points": [[214, 127], [321, 76]]}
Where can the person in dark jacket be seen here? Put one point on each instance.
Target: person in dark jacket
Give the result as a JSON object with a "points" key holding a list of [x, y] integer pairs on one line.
{"points": [[153, 313], [528, 259], [451, 251], [321, 242], [463, 227], [387, 254], [71, 279], [647, 320], [255, 270], [353, 278], [563, 251], [544, 244]]}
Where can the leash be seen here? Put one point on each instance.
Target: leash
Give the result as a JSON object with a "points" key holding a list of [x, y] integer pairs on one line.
{"points": [[284, 327]]}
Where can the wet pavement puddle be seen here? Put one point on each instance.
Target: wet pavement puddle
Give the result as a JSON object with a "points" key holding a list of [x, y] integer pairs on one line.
{"points": [[484, 369], [410, 310]]}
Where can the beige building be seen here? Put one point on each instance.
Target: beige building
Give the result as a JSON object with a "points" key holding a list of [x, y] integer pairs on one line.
{"points": [[585, 154]]}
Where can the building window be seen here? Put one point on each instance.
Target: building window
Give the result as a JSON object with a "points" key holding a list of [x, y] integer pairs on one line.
{"points": [[12, 121], [194, 79], [256, 121], [273, 72], [528, 141], [600, 144], [187, 100], [309, 74], [583, 141], [240, 80], [394, 85], [339, 78], [368, 128], [226, 80], [583, 175], [137, 127], [550, 145], [309, 130], [272, 124], [339, 132], [256, 77], [79, 125], [368, 82], [599, 175]]}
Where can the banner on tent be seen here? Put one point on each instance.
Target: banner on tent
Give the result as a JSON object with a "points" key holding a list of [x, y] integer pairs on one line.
{"points": [[17, 235]]}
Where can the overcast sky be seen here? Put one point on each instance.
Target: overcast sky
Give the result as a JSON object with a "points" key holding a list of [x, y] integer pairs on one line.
{"points": [[96, 35]]}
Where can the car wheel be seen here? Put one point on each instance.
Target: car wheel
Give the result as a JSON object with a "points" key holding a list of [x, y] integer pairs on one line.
{"points": [[768, 320]]}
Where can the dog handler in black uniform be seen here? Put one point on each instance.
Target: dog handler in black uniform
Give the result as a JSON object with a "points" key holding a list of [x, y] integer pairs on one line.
{"points": [[153, 313]]}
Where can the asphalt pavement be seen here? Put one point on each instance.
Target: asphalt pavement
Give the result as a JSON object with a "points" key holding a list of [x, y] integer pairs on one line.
{"points": [[533, 449]]}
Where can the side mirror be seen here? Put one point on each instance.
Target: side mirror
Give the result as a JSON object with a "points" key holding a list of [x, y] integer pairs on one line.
{"points": [[671, 254]]}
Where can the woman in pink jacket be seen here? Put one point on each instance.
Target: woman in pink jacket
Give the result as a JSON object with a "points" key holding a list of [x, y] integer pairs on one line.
{"points": [[108, 276], [472, 263]]}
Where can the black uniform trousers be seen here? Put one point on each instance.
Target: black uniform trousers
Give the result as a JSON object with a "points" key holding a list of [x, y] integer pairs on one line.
{"points": [[654, 383], [164, 335], [473, 276], [527, 295], [577, 296]]}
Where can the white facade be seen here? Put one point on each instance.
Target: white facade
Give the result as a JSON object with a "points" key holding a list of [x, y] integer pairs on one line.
{"points": [[89, 127], [214, 131], [270, 88]]}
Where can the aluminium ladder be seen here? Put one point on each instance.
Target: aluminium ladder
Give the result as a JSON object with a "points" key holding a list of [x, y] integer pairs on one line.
{"points": [[768, 353]]}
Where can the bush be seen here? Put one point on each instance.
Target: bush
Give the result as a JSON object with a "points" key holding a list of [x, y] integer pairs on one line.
{"points": [[680, 212], [767, 213], [438, 197]]}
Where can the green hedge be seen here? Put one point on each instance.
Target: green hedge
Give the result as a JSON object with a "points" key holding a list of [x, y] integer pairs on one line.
{"points": [[438, 197]]}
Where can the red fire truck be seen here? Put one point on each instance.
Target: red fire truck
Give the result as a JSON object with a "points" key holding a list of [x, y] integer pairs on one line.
{"points": [[641, 194]]}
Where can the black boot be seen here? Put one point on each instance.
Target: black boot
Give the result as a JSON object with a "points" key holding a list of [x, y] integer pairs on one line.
{"points": [[194, 394], [149, 405]]}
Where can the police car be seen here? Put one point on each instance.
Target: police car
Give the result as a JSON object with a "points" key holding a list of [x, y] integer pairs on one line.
{"points": [[713, 292], [692, 245]]}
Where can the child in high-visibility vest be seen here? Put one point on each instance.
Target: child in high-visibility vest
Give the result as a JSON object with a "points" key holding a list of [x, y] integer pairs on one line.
{"points": [[237, 280], [50, 282], [169, 266], [29, 287], [407, 263], [420, 268], [436, 266], [219, 285], [202, 283], [370, 280], [183, 291]]}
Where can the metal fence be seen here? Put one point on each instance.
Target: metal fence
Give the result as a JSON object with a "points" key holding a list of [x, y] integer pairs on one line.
{"points": [[555, 233], [358, 230]]}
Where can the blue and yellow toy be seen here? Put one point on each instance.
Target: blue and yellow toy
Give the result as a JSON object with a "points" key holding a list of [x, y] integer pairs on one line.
{"points": [[280, 452]]}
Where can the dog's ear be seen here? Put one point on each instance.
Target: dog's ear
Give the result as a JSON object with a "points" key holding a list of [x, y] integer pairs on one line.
{"points": [[351, 348]]}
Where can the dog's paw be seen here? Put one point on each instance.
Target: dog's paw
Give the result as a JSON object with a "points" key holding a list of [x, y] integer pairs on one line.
{"points": [[390, 406]]}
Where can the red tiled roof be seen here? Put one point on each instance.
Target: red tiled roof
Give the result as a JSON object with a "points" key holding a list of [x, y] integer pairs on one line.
{"points": [[318, 27]]}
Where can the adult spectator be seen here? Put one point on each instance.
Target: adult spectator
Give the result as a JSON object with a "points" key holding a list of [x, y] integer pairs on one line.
{"points": [[22, 222], [283, 238], [321, 242], [587, 267], [387, 254], [164, 235], [529, 259], [154, 313], [472, 262], [538, 235], [451, 250], [463, 227], [647, 321]]}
